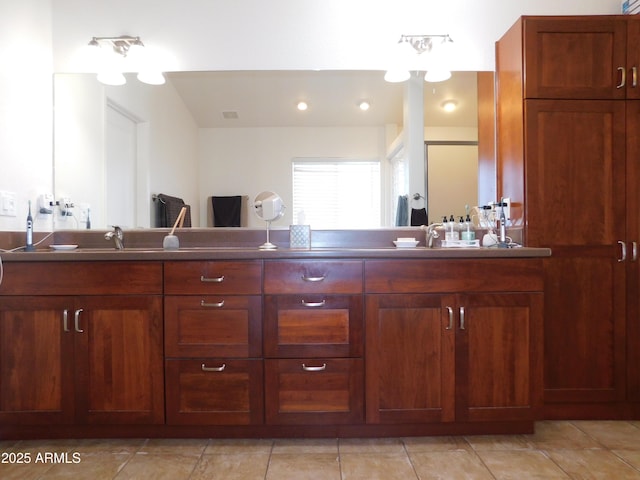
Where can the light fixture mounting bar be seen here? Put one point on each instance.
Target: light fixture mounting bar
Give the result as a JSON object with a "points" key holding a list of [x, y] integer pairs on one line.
{"points": [[423, 43], [120, 45]]}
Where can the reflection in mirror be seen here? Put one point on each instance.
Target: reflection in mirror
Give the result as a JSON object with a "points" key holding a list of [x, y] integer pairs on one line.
{"points": [[205, 134], [269, 207]]}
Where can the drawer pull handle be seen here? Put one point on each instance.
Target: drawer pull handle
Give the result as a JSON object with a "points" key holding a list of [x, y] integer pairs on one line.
{"points": [[309, 368], [313, 279], [634, 77], [213, 369], [314, 304], [623, 246], [462, 319], [76, 319], [219, 279], [212, 305], [634, 251]]}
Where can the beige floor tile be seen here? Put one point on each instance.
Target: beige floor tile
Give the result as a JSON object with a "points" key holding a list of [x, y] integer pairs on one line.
{"points": [[306, 445], [435, 444], [239, 445], [371, 445], [499, 442], [15, 471], [632, 457], [376, 466], [593, 464], [521, 464], [454, 464], [612, 434], [305, 466], [232, 466], [550, 435], [94, 466], [178, 446], [163, 466]]}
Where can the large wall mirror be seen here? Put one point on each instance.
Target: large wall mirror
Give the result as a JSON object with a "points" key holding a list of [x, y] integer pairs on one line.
{"points": [[206, 134]]}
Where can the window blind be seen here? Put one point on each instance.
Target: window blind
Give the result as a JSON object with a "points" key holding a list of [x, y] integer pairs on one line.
{"points": [[336, 194]]}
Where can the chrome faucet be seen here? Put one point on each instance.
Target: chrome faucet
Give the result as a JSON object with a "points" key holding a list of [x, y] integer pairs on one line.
{"points": [[117, 235], [432, 233]]}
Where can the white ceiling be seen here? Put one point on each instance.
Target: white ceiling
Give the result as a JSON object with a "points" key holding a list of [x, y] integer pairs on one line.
{"points": [[269, 98]]}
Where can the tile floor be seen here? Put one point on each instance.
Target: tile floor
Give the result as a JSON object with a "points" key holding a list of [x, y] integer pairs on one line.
{"points": [[558, 450]]}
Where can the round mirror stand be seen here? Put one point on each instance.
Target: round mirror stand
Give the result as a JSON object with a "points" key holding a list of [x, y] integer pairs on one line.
{"points": [[269, 207]]}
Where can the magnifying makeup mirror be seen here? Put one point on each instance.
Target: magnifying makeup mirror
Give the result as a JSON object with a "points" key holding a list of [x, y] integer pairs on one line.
{"points": [[269, 207]]}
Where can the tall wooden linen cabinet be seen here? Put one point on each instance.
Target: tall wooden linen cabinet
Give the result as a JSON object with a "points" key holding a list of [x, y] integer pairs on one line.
{"points": [[568, 128]]}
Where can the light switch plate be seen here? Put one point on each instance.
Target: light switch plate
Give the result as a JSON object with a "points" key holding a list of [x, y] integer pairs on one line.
{"points": [[8, 207]]}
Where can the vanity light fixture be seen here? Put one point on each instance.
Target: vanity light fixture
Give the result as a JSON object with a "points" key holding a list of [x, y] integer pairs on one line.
{"points": [[420, 44], [124, 54]]}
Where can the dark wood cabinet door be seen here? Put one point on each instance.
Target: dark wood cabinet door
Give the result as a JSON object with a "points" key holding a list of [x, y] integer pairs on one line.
{"points": [[314, 391], [633, 244], [213, 391], [36, 360], [579, 57], [498, 356], [119, 360], [313, 325], [410, 374]]}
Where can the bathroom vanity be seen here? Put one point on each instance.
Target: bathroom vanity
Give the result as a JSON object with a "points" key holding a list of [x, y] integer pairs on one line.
{"points": [[239, 342]]}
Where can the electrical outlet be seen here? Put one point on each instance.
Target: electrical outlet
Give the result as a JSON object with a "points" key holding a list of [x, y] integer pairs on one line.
{"points": [[8, 207]]}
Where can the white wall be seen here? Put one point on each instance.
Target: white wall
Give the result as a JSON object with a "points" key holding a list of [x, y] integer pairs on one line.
{"points": [[25, 104], [295, 34], [167, 144], [228, 157]]}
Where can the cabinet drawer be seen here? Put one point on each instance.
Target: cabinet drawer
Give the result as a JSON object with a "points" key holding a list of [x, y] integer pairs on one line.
{"points": [[313, 325], [82, 278], [453, 275], [206, 326], [309, 276], [239, 277], [314, 391], [214, 392]]}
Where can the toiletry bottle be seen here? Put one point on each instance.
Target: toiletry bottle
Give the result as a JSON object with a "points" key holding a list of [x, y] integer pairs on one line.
{"points": [[468, 233], [452, 232], [29, 247]]}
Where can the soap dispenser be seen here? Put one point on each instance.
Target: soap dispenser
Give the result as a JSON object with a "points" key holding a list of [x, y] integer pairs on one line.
{"points": [[468, 233], [451, 233]]}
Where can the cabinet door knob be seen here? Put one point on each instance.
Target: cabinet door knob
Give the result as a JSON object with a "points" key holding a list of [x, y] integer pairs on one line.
{"points": [[219, 304], [450, 313], [65, 320], [219, 279], [213, 369], [623, 247], [76, 320], [623, 77], [309, 368], [314, 304]]}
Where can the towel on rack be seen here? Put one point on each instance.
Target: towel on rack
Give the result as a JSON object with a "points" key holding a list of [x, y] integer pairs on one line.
{"points": [[402, 211], [419, 217], [226, 210], [168, 209]]}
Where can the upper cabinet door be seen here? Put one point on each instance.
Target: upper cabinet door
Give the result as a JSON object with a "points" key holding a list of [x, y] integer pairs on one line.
{"points": [[575, 57]]}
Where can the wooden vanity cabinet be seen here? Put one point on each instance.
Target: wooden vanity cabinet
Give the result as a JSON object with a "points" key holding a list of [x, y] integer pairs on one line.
{"points": [[568, 143], [313, 342], [213, 343], [77, 350], [435, 354]]}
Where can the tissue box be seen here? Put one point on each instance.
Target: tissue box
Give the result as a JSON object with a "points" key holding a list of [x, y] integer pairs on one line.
{"points": [[299, 236]]}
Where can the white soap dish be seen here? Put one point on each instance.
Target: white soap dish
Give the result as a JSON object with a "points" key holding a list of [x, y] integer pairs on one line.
{"points": [[406, 243], [63, 247]]}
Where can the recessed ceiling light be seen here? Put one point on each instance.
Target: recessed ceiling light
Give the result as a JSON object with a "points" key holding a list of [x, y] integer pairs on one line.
{"points": [[302, 106], [364, 105], [449, 105]]}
